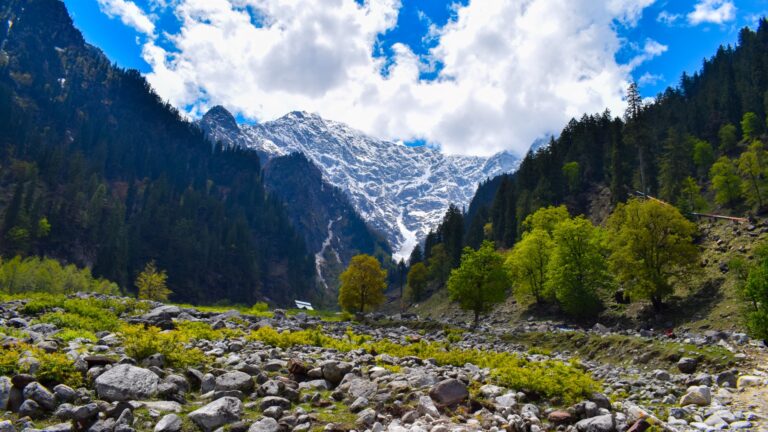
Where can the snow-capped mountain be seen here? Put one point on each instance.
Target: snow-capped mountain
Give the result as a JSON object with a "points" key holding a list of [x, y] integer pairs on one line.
{"points": [[401, 191]]}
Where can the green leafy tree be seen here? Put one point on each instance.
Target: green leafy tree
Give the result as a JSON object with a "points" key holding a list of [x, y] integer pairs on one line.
{"points": [[652, 248], [571, 172], [418, 278], [546, 218], [752, 165], [690, 200], [729, 137], [725, 181], [751, 126], [528, 263], [755, 289], [480, 281], [439, 265], [577, 270], [152, 283], [362, 284], [703, 157]]}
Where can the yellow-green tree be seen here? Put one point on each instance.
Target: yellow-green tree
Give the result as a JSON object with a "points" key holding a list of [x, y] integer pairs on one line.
{"points": [[418, 278], [652, 248], [577, 270], [725, 181], [752, 165], [751, 126], [546, 218], [527, 265], [480, 281], [572, 172], [151, 283], [362, 284], [690, 197]]}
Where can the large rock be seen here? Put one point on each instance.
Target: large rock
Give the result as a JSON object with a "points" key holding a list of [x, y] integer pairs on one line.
{"points": [[359, 387], [697, 395], [126, 382], [687, 365], [603, 423], [427, 407], [334, 371], [41, 395], [169, 423], [449, 392], [235, 381], [265, 425], [217, 413]]}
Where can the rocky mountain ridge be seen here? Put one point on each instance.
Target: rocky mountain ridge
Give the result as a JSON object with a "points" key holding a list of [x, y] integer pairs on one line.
{"points": [[402, 191]]}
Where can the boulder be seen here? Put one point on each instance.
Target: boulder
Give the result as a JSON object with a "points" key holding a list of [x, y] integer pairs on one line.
{"points": [[266, 424], [36, 392], [64, 393], [334, 371], [235, 381], [271, 401], [449, 392], [697, 395], [169, 423], [126, 382], [603, 423], [217, 413], [687, 365], [427, 407]]}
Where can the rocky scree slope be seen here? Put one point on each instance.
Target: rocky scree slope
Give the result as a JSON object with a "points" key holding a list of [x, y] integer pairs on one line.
{"points": [[265, 383], [401, 191]]}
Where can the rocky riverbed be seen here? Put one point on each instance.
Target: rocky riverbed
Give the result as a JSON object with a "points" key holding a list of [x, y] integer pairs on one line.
{"points": [[258, 386]]}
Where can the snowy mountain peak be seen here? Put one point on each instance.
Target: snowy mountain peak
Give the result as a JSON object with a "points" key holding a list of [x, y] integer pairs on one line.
{"points": [[401, 191]]}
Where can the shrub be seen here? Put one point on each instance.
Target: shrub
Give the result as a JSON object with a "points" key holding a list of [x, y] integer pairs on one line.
{"points": [[25, 275], [55, 368], [141, 342]]}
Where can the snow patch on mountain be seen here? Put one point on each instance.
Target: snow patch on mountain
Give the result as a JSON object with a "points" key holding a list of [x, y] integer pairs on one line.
{"points": [[401, 191]]}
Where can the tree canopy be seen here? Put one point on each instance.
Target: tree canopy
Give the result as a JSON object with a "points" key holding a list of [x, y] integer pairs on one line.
{"points": [[362, 284], [480, 281]]}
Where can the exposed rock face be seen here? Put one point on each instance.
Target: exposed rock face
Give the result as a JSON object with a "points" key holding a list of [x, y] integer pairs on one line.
{"points": [[126, 382]]}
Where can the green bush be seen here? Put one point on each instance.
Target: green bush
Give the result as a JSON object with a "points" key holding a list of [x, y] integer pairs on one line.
{"points": [[141, 342], [55, 368]]}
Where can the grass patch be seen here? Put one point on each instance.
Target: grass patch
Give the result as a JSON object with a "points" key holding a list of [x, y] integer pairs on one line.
{"points": [[619, 349], [567, 382]]}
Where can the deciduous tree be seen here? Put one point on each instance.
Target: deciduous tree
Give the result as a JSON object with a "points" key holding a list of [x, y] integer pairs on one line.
{"points": [[151, 283], [725, 181], [362, 284], [480, 281], [528, 264]]}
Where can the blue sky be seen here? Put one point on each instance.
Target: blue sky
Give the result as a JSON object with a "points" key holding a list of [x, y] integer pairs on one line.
{"points": [[413, 70]]}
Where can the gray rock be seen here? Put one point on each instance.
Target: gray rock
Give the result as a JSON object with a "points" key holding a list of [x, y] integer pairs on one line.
{"points": [[64, 393], [126, 382], [61, 427], [41, 395], [265, 425], [697, 395], [726, 379], [359, 404], [217, 413], [366, 418], [274, 412], [427, 407], [5, 392], [6, 426], [106, 425], [741, 425], [277, 401], [603, 423], [449, 392], [334, 371], [687, 365], [235, 380], [169, 423], [208, 383], [31, 409], [86, 413], [271, 388], [359, 387]]}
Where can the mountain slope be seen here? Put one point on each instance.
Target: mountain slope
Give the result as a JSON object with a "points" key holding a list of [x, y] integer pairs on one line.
{"points": [[96, 170], [322, 214], [401, 191]]}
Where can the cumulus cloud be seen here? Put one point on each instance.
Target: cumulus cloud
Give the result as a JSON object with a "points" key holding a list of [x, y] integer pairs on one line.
{"points": [[712, 11], [668, 18], [130, 14], [511, 71]]}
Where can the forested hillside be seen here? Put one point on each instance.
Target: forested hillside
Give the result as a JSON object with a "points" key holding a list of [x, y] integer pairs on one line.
{"points": [[666, 148], [96, 170]]}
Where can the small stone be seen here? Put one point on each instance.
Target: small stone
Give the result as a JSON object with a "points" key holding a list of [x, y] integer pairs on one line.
{"points": [[334, 371], [366, 417], [6, 426], [30, 409], [741, 425], [64, 393], [271, 401], [603, 423], [274, 412], [359, 404], [5, 392], [697, 395], [427, 407], [560, 417], [748, 381]]}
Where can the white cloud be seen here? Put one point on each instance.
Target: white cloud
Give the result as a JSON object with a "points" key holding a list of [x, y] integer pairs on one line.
{"points": [[668, 18], [130, 14], [512, 71], [712, 11], [649, 79]]}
